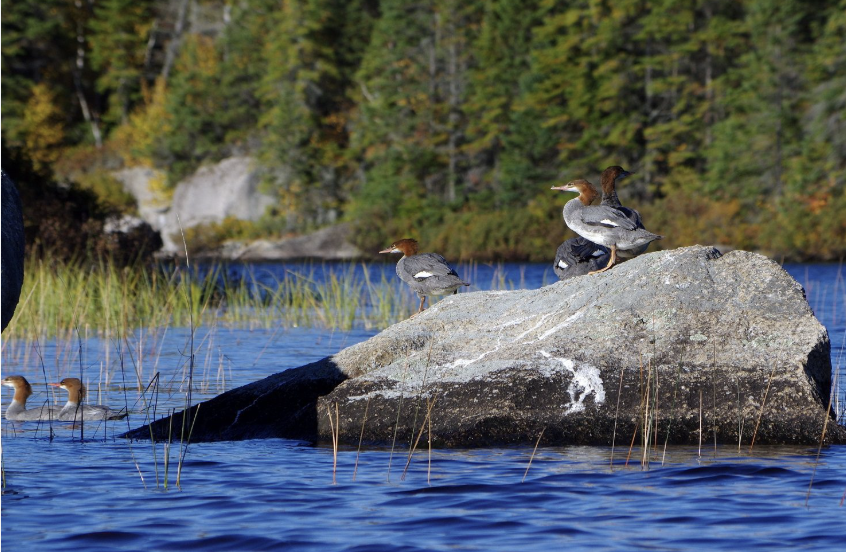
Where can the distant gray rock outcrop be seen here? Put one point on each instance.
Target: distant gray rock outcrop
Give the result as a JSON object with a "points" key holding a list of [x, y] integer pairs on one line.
{"points": [[229, 188], [13, 244], [330, 244], [668, 342]]}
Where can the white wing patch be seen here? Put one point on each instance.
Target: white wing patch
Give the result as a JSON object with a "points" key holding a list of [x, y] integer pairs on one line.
{"points": [[608, 222], [423, 274], [597, 253], [562, 264]]}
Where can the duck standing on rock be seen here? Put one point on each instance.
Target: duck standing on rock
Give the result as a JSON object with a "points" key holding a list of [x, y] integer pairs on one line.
{"points": [[74, 412], [17, 410], [608, 181], [601, 224], [578, 256], [426, 273]]}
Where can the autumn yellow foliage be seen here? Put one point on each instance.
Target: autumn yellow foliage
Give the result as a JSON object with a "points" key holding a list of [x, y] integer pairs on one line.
{"points": [[42, 130], [136, 141]]}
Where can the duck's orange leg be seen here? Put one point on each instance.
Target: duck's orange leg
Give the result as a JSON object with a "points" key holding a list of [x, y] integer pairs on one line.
{"points": [[611, 262]]}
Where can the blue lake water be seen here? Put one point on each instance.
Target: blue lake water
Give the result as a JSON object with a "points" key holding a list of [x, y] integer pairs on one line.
{"points": [[102, 493]]}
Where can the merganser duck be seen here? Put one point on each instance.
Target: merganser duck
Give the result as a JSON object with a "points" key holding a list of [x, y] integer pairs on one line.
{"points": [[609, 179], [426, 273], [601, 224], [74, 412], [17, 410], [577, 257]]}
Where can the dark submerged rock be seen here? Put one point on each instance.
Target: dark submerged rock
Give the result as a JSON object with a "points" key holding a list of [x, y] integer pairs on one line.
{"points": [[667, 337], [12, 249]]}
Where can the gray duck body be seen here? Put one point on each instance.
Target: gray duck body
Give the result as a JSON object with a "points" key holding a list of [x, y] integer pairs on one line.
{"points": [[611, 200], [605, 225], [73, 412], [578, 256], [18, 412], [429, 274]]}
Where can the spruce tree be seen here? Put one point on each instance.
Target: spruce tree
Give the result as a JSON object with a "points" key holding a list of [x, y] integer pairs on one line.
{"points": [[119, 37], [762, 98]]}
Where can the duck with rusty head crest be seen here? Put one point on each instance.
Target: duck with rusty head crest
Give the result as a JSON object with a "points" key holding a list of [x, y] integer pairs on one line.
{"points": [[425, 273], [73, 411], [17, 410], [601, 224]]}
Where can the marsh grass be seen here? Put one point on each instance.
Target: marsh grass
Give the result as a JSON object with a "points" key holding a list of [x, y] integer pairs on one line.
{"points": [[97, 297], [430, 404]]}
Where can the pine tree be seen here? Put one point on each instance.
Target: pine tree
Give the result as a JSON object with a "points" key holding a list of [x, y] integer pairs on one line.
{"points": [[762, 96], [118, 38], [243, 66], [412, 87], [194, 103], [584, 84], [684, 49], [501, 136], [391, 133], [304, 94], [826, 120]]}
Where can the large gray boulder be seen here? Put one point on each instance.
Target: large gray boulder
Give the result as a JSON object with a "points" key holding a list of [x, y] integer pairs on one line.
{"points": [[12, 248], [229, 188], [671, 342]]}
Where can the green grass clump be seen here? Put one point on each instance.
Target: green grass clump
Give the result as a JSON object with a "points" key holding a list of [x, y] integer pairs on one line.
{"points": [[98, 297]]}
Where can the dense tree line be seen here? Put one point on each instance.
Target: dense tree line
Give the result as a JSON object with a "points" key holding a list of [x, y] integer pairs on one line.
{"points": [[448, 120]]}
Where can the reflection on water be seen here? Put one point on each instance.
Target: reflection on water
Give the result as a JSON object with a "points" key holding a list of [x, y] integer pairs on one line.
{"points": [[105, 494]]}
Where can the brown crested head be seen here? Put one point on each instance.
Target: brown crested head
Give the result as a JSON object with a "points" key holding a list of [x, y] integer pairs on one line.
{"points": [[22, 387], [587, 193], [610, 176], [406, 246], [73, 386]]}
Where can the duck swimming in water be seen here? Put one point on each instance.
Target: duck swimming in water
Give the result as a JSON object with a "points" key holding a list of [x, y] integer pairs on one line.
{"points": [[601, 224], [578, 256], [425, 273], [17, 410], [608, 181], [74, 412]]}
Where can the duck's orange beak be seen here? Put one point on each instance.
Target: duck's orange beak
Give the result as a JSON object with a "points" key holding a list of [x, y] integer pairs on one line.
{"points": [[388, 250], [54, 384]]}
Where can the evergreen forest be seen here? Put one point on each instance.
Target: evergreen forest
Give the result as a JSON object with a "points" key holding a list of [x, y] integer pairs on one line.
{"points": [[449, 120]]}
